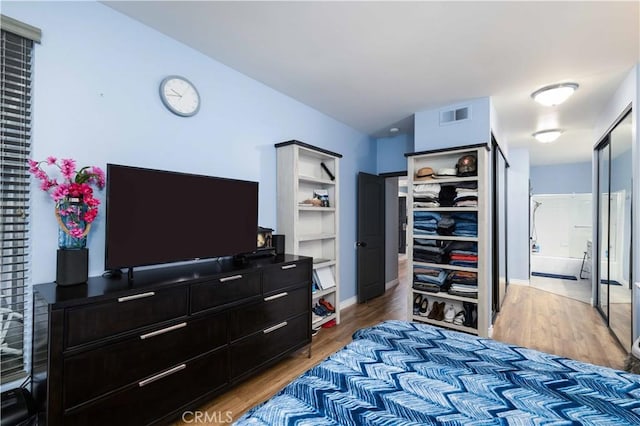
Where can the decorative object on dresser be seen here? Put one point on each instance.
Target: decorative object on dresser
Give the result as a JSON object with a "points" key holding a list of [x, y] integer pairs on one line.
{"points": [[75, 210], [112, 352], [308, 203], [449, 241]]}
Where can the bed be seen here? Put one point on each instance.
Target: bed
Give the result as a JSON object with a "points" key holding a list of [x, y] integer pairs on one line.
{"points": [[402, 373]]}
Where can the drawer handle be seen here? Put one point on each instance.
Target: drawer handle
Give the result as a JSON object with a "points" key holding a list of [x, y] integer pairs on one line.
{"points": [[164, 330], [159, 376], [274, 328], [136, 296], [276, 296], [288, 266], [231, 278]]}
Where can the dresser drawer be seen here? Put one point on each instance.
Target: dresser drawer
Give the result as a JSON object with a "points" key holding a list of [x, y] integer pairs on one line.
{"points": [[130, 360], [164, 392], [260, 348], [223, 290], [91, 322], [272, 310], [283, 276]]}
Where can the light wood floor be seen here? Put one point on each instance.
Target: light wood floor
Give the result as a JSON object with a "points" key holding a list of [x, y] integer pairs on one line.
{"points": [[530, 317]]}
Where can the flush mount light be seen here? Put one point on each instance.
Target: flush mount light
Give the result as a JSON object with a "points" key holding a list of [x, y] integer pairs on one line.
{"points": [[394, 130], [546, 136], [554, 94]]}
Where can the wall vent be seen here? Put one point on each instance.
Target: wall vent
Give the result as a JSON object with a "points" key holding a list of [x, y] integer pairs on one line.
{"points": [[455, 115]]}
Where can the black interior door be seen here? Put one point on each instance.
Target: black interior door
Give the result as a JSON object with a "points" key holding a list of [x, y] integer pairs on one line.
{"points": [[370, 239], [402, 225]]}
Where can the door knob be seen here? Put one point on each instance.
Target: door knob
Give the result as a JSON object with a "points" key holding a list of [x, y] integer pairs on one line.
{"points": [[361, 244]]}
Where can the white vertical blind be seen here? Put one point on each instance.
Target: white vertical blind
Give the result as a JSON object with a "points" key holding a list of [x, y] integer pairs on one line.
{"points": [[15, 132]]}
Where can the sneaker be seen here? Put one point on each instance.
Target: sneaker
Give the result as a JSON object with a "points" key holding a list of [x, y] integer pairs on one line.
{"points": [[417, 301], [459, 318], [449, 313], [320, 310], [328, 306], [329, 324], [314, 331], [424, 305], [315, 317]]}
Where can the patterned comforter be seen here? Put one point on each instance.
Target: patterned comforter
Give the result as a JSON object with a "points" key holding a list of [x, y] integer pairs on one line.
{"points": [[400, 373]]}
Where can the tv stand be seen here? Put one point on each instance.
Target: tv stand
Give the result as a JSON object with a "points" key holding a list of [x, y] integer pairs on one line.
{"points": [[130, 275], [115, 351]]}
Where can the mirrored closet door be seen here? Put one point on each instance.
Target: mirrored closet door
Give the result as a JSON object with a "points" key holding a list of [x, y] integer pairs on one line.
{"points": [[614, 229]]}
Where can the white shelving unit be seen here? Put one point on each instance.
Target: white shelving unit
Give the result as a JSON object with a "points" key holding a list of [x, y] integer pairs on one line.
{"points": [[448, 158], [309, 230]]}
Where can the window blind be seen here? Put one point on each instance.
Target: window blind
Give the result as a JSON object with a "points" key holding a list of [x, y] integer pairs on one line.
{"points": [[15, 132]]}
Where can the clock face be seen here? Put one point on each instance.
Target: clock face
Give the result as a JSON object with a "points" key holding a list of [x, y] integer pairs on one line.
{"points": [[179, 96]]}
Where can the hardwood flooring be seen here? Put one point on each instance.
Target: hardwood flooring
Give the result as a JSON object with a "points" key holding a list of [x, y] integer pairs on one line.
{"points": [[530, 317]]}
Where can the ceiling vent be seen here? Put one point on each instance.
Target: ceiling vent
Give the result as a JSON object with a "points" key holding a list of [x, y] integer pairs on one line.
{"points": [[455, 115]]}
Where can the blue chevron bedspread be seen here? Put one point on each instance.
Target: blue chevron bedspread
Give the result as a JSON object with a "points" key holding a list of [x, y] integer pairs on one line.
{"points": [[401, 373]]}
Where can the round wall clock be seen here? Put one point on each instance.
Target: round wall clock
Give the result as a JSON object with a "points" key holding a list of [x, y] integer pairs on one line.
{"points": [[180, 96]]}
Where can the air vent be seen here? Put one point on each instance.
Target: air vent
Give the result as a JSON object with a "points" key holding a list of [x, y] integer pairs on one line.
{"points": [[455, 115]]}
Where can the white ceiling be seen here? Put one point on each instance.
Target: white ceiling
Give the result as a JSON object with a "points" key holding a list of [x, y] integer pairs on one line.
{"points": [[372, 65]]}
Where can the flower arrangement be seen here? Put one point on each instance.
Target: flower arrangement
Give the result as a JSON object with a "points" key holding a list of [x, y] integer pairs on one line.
{"points": [[76, 208]]}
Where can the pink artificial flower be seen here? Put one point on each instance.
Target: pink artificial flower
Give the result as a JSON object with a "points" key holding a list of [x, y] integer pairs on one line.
{"points": [[51, 160], [33, 165], [40, 174], [90, 215], [76, 232], [68, 168], [99, 177]]}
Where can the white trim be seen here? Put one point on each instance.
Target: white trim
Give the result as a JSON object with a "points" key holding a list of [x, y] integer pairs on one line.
{"points": [[20, 28], [350, 301], [390, 284], [519, 282]]}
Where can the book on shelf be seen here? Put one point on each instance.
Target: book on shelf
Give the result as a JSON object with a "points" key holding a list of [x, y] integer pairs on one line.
{"points": [[324, 277]]}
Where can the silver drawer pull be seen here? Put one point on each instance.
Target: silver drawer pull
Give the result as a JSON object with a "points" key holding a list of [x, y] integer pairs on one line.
{"points": [[159, 376], [136, 296], [164, 330], [274, 328], [231, 278], [276, 296], [288, 266]]}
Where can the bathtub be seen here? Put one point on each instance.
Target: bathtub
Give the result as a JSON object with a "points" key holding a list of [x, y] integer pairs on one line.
{"points": [[556, 265]]}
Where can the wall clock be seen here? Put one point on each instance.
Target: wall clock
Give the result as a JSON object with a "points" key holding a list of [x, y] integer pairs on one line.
{"points": [[180, 96]]}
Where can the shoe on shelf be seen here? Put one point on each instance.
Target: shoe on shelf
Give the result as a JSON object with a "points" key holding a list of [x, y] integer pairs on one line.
{"points": [[440, 313], [459, 318], [468, 313], [417, 301], [474, 316], [449, 313], [437, 311], [328, 306], [424, 305], [320, 310], [329, 324], [315, 317], [314, 332]]}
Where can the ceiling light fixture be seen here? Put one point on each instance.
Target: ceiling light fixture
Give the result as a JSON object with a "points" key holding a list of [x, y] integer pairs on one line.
{"points": [[555, 94], [394, 130], [547, 136]]}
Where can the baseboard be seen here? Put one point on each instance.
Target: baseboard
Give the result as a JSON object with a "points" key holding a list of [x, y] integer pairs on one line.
{"points": [[519, 282], [350, 301], [390, 284]]}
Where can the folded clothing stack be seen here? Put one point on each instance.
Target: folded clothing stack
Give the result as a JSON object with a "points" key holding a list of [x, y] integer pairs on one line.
{"points": [[462, 253], [426, 195], [463, 283], [430, 279], [429, 251], [466, 224], [466, 194], [425, 222]]}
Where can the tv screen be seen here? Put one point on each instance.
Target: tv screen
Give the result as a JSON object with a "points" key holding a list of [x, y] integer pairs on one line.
{"points": [[155, 217]]}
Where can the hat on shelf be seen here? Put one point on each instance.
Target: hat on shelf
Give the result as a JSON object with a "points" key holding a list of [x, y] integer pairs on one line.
{"points": [[424, 173], [445, 173], [467, 165]]}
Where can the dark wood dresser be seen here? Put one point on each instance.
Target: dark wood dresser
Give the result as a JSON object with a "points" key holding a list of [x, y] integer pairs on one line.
{"points": [[113, 352]]}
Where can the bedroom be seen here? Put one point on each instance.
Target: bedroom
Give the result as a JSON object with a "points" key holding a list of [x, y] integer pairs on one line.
{"points": [[105, 68]]}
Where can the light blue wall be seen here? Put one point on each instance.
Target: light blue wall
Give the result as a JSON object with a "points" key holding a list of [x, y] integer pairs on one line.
{"points": [[96, 99], [390, 153], [518, 214], [429, 134], [553, 179]]}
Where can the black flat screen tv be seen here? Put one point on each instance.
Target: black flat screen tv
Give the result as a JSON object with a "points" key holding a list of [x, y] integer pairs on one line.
{"points": [[155, 217]]}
